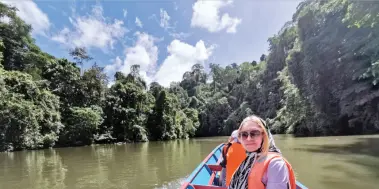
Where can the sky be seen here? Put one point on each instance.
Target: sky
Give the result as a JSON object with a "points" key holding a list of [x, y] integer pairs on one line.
{"points": [[164, 37]]}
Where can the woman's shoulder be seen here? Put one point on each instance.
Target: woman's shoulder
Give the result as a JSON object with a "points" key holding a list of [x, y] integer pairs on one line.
{"points": [[277, 171], [276, 176], [277, 164]]}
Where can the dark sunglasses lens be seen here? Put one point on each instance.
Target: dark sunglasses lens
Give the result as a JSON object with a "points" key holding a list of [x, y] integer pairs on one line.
{"points": [[244, 135], [255, 133], [252, 134]]}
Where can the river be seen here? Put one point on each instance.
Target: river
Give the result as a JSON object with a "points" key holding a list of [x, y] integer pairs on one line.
{"points": [[346, 162]]}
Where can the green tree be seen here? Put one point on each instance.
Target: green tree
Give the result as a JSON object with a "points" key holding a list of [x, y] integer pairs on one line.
{"points": [[80, 55], [29, 113]]}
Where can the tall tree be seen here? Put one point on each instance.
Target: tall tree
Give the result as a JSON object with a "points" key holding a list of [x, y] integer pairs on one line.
{"points": [[80, 55]]}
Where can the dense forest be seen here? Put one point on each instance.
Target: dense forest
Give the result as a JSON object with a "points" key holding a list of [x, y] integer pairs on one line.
{"points": [[320, 77]]}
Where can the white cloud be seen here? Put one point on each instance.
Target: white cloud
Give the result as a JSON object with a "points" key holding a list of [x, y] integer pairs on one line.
{"points": [[144, 53], [182, 57], [112, 68], [138, 22], [165, 18], [125, 12], [164, 22], [206, 14], [92, 30], [31, 14], [179, 35]]}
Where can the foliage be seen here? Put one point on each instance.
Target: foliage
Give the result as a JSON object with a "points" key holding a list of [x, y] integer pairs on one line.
{"points": [[29, 113], [126, 108], [320, 77], [81, 125]]}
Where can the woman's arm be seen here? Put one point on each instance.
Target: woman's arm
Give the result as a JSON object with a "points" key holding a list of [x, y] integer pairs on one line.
{"points": [[276, 176]]}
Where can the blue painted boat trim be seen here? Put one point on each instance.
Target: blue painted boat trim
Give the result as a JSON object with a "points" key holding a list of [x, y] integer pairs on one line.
{"points": [[202, 174], [300, 186], [203, 164]]}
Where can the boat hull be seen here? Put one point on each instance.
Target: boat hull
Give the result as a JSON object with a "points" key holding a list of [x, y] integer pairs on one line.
{"points": [[206, 174]]}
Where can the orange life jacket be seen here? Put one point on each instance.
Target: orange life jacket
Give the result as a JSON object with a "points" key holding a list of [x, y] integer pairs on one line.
{"points": [[234, 154], [260, 167]]}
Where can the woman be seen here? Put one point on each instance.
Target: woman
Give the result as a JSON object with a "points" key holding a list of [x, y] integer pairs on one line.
{"points": [[264, 167]]}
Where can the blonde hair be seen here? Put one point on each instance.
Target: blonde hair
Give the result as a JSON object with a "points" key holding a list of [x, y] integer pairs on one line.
{"points": [[255, 119]]}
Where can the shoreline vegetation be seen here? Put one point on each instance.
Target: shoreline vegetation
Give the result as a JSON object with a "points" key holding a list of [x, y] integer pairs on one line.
{"points": [[320, 78]]}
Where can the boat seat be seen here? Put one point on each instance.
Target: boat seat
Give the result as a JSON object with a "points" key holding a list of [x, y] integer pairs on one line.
{"points": [[214, 167]]}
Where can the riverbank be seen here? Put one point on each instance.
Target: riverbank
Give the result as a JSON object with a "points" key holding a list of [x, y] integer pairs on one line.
{"points": [[114, 142]]}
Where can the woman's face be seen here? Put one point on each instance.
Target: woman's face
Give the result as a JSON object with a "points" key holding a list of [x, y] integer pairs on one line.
{"points": [[251, 136]]}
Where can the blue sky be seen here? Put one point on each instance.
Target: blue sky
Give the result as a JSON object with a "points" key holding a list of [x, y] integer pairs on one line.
{"points": [[165, 37]]}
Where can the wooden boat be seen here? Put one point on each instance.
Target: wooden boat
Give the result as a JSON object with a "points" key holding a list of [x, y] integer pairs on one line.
{"points": [[207, 173]]}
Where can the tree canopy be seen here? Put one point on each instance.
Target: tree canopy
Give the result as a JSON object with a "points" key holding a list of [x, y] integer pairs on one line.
{"points": [[320, 77]]}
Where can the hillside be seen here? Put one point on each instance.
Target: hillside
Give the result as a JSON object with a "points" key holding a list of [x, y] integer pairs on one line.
{"points": [[320, 78]]}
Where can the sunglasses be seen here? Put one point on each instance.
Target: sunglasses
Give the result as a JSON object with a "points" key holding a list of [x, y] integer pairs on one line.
{"points": [[253, 134]]}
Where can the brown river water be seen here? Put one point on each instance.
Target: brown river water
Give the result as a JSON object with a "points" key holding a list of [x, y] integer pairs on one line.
{"points": [[347, 162]]}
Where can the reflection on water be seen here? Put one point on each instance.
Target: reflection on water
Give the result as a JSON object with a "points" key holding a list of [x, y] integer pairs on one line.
{"points": [[32, 169], [139, 165], [321, 162]]}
